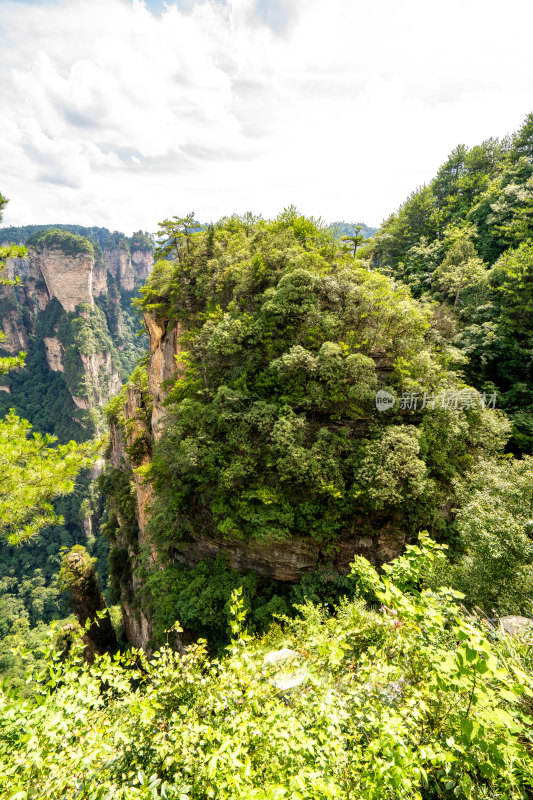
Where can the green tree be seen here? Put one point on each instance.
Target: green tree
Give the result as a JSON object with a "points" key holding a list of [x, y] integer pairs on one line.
{"points": [[461, 269], [174, 236], [33, 472], [512, 278], [357, 238], [495, 534]]}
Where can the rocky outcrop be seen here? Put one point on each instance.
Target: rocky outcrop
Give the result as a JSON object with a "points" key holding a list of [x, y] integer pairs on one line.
{"points": [[137, 626], [54, 353], [72, 274], [118, 263], [162, 365], [103, 380], [128, 269], [142, 262], [290, 560], [135, 433], [67, 277], [32, 291], [16, 335], [79, 576], [138, 431], [99, 286]]}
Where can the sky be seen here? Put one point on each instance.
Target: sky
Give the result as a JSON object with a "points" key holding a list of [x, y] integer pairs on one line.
{"points": [[122, 113]]}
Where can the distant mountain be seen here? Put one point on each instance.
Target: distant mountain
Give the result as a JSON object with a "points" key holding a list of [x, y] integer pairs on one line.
{"points": [[347, 229], [103, 236]]}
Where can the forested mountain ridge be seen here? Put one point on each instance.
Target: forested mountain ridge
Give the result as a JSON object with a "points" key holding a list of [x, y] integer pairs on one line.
{"points": [[466, 241], [254, 426]]}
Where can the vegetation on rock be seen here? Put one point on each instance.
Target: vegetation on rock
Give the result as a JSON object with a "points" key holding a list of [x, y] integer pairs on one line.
{"points": [[57, 239], [272, 429]]}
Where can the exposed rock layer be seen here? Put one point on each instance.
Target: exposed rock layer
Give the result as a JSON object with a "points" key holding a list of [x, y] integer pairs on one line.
{"points": [[72, 279], [54, 353], [88, 603], [67, 277]]}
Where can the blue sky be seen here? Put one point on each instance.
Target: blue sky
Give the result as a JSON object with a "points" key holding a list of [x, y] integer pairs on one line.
{"points": [[271, 12], [122, 112]]}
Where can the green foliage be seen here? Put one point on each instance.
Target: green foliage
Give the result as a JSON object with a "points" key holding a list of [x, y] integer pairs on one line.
{"points": [[273, 430], [141, 240], [28, 573], [33, 473], [494, 563], [42, 395], [414, 702], [22, 233], [460, 270], [66, 577], [57, 239], [132, 341], [466, 240], [200, 596], [512, 279], [173, 236], [24, 644]]}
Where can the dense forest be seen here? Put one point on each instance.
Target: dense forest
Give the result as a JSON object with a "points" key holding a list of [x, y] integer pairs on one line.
{"points": [[318, 508]]}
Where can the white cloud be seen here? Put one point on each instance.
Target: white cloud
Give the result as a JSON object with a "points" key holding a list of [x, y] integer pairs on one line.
{"points": [[117, 116]]}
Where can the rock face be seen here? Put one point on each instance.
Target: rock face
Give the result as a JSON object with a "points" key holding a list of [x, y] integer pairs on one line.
{"points": [[67, 277], [32, 294], [128, 269], [16, 335], [72, 278], [54, 353], [95, 366], [292, 559], [119, 265], [99, 285], [162, 365], [142, 262]]}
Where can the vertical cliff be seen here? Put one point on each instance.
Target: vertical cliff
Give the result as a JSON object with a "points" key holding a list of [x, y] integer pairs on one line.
{"points": [[70, 307]]}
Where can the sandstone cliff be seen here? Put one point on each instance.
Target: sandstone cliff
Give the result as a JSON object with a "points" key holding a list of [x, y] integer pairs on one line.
{"points": [[68, 296], [67, 277]]}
